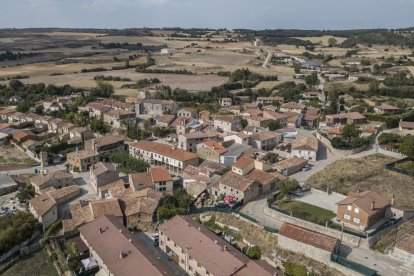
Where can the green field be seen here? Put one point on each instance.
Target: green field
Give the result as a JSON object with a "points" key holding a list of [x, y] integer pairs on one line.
{"points": [[306, 211], [34, 264]]}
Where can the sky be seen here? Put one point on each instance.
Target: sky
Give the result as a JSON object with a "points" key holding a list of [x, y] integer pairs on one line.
{"points": [[251, 14]]}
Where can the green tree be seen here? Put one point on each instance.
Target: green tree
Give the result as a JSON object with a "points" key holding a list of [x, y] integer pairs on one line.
{"points": [[103, 89], [98, 125], [244, 123], [332, 42], [23, 107], [350, 131], [407, 147], [16, 84], [273, 125], [392, 121]]}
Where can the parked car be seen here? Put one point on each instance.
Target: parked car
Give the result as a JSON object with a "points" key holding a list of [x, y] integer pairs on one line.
{"points": [[221, 205], [306, 168], [155, 236]]}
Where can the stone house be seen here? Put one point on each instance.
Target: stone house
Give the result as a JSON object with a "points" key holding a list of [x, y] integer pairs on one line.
{"points": [[188, 112], [236, 186], [57, 179], [345, 118], [156, 107], [97, 110], [101, 174], [115, 117], [306, 147], [81, 161], [228, 123], [265, 140], [189, 141], [290, 166], [105, 145], [292, 107], [210, 150], [157, 178], [226, 102]]}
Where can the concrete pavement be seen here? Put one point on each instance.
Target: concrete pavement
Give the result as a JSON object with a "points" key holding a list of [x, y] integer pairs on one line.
{"points": [[32, 169]]}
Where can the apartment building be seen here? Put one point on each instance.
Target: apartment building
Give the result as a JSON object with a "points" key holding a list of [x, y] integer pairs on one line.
{"points": [[198, 251]]}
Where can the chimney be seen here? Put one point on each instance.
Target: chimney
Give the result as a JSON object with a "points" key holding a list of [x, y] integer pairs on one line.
{"points": [[372, 205], [225, 248], [122, 255], [101, 230], [392, 200]]}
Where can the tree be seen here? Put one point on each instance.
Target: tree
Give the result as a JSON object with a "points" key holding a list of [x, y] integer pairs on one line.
{"points": [[16, 84], [332, 42], [23, 107], [128, 163], [407, 147], [392, 121], [350, 131], [243, 122], [312, 79], [297, 69], [103, 89], [273, 125], [98, 125]]}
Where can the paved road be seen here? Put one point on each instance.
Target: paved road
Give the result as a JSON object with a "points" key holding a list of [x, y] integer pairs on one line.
{"points": [[255, 209], [31, 170], [321, 85], [154, 252], [385, 265]]}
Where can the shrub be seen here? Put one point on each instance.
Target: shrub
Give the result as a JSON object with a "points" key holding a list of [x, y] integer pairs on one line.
{"points": [[254, 252], [292, 269]]}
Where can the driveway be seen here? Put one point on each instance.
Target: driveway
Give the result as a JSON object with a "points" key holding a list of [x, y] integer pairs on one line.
{"points": [[322, 199]]}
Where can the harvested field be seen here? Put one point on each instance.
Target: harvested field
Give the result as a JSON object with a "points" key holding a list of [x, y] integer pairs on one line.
{"points": [[11, 156], [189, 82], [268, 244], [324, 39], [47, 68], [367, 173], [266, 84]]}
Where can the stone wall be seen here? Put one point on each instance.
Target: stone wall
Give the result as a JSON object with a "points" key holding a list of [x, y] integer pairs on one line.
{"points": [[346, 238]]}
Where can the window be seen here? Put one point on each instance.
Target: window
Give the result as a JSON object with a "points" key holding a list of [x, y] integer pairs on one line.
{"points": [[349, 207], [347, 217], [356, 210], [356, 220]]}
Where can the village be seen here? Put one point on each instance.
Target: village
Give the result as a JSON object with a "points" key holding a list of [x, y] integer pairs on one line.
{"points": [[234, 181]]}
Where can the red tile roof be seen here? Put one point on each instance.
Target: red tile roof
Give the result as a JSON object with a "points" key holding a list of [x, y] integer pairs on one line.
{"points": [[309, 237]]}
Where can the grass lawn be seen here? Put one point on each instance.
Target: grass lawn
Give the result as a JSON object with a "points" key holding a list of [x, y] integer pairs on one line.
{"points": [[34, 264], [306, 211]]}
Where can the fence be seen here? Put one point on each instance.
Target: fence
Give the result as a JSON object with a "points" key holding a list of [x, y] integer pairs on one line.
{"points": [[392, 167], [364, 270]]}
